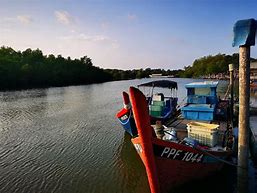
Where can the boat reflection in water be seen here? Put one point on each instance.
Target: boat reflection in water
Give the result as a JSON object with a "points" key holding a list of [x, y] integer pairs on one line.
{"points": [[130, 167]]}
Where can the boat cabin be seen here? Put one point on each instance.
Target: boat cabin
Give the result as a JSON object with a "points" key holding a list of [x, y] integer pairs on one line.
{"points": [[161, 106], [202, 101]]}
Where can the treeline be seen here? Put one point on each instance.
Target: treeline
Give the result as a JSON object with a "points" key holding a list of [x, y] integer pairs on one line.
{"points": [[211, 65], [30, 69], [33, 69], [207, 65], [140, 73]]}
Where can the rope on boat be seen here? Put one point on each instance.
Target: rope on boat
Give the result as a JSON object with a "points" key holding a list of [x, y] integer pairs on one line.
{"points": [[181, 102], [226, 94], [219, 159], [169, 122], [178, 123]]}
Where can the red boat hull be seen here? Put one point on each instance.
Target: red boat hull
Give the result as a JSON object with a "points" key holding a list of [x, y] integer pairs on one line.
{"points": [[177, 164], [169, 164]]}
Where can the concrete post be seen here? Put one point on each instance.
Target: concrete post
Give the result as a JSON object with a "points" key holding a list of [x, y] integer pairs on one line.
{"points": [[244, 95], [244, 37]]}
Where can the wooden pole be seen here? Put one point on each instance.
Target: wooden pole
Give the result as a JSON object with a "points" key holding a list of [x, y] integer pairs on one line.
{"points": [[244, 95], [231, 73]]}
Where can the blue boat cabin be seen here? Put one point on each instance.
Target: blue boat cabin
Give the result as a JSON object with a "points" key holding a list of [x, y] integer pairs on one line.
{"points": [[202, 101]]}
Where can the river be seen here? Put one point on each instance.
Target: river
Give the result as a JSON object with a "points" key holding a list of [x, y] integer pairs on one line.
{"points": [[67, 139]]}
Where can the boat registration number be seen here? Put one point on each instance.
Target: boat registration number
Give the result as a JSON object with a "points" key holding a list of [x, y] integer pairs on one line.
{"points": [[177, 154], [124, 117]]}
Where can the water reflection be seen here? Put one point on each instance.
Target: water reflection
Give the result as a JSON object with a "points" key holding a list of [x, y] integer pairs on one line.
{"points": [[131, 168]]}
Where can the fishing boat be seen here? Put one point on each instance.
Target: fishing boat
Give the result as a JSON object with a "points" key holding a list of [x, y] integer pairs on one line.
{"points": [[161, 107], [160, 76], [203, 103], [171, 155]]}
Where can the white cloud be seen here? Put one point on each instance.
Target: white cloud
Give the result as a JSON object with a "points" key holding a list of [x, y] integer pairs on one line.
{"points": [[63, 17], [9, 19], [24, 19], [95, 38], [132, 17], [91, 38]]}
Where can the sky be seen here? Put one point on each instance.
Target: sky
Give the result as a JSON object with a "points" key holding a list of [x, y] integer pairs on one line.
{"points": [[125, 34]]}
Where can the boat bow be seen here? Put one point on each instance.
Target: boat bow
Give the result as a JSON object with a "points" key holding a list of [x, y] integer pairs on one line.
{"points": [[142, 119]]}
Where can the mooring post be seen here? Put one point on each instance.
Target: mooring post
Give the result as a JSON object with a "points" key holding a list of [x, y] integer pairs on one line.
{"points": [[244, 95], [231, 84], [244, 37]]}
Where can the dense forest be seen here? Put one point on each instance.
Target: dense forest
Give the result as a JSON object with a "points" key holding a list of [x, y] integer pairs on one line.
{"points": [[32, 69], [211, 65]]}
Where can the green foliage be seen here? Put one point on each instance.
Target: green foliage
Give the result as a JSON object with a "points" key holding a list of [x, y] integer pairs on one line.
{"points": [[139, 73], [210, 65], [30, 68]]}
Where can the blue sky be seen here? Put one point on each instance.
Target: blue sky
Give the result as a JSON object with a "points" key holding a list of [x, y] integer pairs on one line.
{"points": [[125, 34]]}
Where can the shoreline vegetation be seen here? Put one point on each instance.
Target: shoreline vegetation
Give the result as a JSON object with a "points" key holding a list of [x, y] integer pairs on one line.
{"points": [[32, 69]]}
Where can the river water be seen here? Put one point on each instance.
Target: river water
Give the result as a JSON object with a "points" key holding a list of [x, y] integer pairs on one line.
{"points": [[67, 139]]}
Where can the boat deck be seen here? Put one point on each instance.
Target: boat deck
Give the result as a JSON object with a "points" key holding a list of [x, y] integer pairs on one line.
{"points": [[180, 126]]}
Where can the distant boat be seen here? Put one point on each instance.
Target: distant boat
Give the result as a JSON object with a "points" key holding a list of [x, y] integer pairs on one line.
{"points": [[160, 76]]}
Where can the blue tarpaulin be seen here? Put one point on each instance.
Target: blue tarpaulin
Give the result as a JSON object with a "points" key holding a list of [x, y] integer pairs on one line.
{"points": [[244, 32]]}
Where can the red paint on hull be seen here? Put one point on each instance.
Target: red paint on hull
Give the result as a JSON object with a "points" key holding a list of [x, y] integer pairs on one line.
{"points": [[142, 120], [125, 98], [172, 173], [170, 166]]}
